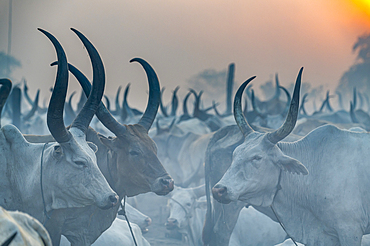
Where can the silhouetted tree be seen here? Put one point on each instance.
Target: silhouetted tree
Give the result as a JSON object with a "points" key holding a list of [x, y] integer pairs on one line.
{"points": [[358, 74]]}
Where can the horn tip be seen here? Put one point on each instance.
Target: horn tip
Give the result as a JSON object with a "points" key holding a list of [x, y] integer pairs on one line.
{"points": [[53, 63], [136, 59]]}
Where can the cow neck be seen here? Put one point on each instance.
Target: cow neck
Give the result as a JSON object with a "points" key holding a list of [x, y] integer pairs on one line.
{"points": [[188, 217], [47, 217], [273, 210], [111, 160], [110, 156]]}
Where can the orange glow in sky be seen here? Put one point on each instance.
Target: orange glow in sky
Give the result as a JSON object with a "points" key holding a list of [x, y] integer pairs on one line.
{"points": [[363, 5], [361, 10]]}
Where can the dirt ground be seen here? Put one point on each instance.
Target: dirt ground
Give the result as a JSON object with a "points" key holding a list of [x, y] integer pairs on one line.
{"points": [[156, 208]]}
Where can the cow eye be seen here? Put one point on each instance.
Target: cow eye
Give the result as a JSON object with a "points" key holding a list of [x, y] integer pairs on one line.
{"points": [[188, 204], [134, 153], [256, 161], [80, 163]]}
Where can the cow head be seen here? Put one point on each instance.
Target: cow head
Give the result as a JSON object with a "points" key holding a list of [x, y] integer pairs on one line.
{"points": [[182, 204], [133, 166], [254, 174], [74, 178]]}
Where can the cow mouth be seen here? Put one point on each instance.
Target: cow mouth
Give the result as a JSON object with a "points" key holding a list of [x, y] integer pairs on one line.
{"points": [[171, 227]]}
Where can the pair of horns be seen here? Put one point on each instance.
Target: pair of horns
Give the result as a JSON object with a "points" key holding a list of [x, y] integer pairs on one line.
{"points": [[290, 120], [57, 101]]}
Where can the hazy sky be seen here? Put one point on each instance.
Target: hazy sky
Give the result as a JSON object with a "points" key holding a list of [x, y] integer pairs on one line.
{"points": [[182, 38]]}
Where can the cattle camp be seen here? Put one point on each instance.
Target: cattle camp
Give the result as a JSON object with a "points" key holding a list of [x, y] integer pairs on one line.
{"points": [[185, 123]]}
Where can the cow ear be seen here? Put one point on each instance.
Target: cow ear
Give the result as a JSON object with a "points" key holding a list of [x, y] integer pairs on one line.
{"points": [[291, 165], [58, 151], [93, 146]]}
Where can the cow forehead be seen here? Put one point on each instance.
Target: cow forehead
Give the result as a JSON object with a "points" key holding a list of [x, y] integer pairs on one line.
{"points": [[79, 145], [253, 142], [138, 135]]}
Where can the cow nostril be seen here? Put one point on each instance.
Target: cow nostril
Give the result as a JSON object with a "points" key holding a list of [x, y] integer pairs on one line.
{"points": [[148, 221], [172, 221], [222, 190], [167, 183], [113, 199], [219, 191]]}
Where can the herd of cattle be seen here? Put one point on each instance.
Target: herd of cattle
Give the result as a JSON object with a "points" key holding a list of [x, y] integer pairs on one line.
{"points": [[277, 177]]}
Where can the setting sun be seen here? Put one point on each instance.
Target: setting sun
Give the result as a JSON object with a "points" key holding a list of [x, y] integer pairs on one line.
{"points": [[363, 5]]}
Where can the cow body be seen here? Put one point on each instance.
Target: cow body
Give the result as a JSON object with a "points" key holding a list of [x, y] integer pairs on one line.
{"points": [[28, 230], [187, 213], [329, 204], [117, 234]]}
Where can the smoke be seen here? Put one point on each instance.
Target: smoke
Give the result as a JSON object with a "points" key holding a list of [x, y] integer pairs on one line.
{"points": [[7, 65], [212, 82]]}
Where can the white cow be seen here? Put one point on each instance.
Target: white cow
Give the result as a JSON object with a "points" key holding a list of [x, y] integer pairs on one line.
{"points": [[187, 214], [28, 230], [38, 178], [329, 204], [117, 234], [136, 217]]}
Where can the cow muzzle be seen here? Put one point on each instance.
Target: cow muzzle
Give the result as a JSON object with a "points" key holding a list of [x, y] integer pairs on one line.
{"points": [[109, 202], [163, 186], [219, 193], [172, 224]]}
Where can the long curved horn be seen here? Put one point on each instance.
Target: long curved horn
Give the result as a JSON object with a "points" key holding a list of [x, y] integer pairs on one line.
{"points": [[163, 108], [86, 114], [214, 106], [352, 114], [70, 114], [107, 102], [125, 106], [184, 104], [254, 106], [238, 112], [354, 98], [118, 107], [277, 90], [328, 101], [34, 108], [288, 98], [56, 105], [154, 95], [81, 102], [4, 93], [229, 88], [291, 118], [174, 102], [25, 92], [102, 112]]}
